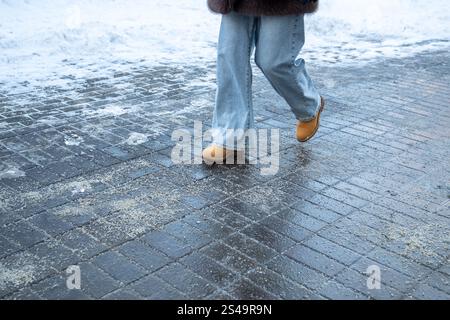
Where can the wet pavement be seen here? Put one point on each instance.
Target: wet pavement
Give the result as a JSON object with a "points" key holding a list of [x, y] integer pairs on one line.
{"points": [[86, 179]]}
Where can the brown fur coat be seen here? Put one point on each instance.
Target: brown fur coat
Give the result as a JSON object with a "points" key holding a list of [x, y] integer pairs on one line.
{"points": [[264, 7]]}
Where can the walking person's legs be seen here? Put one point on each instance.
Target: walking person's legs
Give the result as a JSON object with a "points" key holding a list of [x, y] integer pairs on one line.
{"points": [[279, 41]]}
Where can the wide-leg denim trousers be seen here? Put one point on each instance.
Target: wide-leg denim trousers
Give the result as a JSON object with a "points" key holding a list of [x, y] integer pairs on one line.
{"points": [[276, 42]]}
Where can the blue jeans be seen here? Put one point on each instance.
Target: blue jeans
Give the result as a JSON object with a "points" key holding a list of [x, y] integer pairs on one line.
{"points": [[277, 41]]}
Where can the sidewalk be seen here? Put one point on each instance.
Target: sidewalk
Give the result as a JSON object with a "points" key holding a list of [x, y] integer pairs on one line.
{"points": [[86, 179]]}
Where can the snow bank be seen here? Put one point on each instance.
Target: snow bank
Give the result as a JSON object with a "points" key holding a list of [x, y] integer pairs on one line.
{"points": [[51, 42], [359, 31]]}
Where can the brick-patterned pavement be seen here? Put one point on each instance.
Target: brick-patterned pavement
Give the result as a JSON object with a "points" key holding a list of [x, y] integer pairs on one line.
{"points": [[86, 179]]}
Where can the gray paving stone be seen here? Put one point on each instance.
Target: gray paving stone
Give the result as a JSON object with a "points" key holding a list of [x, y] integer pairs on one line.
{"points": [[55, 288], [298, 272], [315, 260], [208, 269], [389, 276], [145, 256], [123, 294], [271, 239], [274, 282], [246, 290], [187, 234], [54, 254], [83, 244], [167, 244], [426, 292], [336, 291], [185, 281], [357, 281], [95, 282], [50, 223], [333, 250], [119, 267], [23, 233], [7, 247], [229, 257], [153, 288], [300, 219], [251, 248], [285, 228], [370, 189]]}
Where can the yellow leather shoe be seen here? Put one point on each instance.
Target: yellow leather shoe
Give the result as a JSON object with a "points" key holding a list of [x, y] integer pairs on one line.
{"points": [[215, 154], [307, 130]]}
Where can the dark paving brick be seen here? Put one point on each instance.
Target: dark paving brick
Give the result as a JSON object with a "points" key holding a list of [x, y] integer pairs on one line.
{"points": [[246, 290], [315, 260], [285, 228], [153, 288], [316, 211], [7, 247], [50, 223], [399, 263], [335, 290], [298, 272], [167, 244], [220, 295], [333, 250], [55, 288], [233, 220], [185, 281], [95, 282], [54, 254], [344, 197], [208, 269], [439, 281], [24, 234], [74, 213], [332, 204], [274, 282], [118, 267], [123, 294], [22, 269], [229, 257], [25, 294], [389, 276], [357, 281], [187, 234], [83, 244], [426, 292], [247, 210], [106, 232], [301, 220], [251, 248], [269, 238], [145, 256], [213, 228]]}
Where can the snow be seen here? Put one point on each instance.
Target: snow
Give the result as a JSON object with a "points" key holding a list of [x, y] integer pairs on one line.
{"points": [[10, 172], [112, 110], [73, 140], [351, 31], [136, 138], [53, 42]]}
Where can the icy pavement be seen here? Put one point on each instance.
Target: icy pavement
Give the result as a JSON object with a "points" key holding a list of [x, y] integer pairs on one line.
{"points": [[89, 100], [86, 179]]}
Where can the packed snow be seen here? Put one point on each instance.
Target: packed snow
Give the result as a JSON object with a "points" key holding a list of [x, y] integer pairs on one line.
{"points": [[51, 42]]}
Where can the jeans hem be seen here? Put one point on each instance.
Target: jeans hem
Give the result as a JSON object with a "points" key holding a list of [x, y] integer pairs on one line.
{"points": [[316, 113]]}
